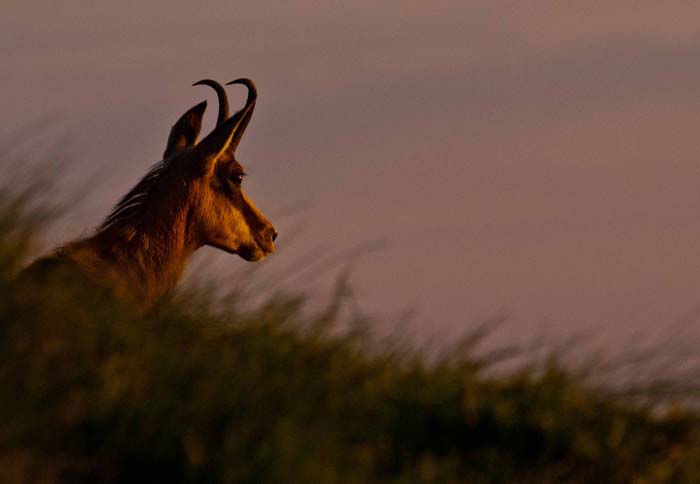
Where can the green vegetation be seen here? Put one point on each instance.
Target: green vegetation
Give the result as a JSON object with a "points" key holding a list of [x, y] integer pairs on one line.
{"points": [[91, 391]]}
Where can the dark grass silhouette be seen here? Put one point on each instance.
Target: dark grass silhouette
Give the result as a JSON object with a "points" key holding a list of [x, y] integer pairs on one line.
{"points": [[196, 392]]}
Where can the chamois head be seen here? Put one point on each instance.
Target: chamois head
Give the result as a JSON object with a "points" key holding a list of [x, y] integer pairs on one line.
{"points": [[198, 187]]}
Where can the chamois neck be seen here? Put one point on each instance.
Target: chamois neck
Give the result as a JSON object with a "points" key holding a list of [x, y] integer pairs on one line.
{"points": [[147, 255]]}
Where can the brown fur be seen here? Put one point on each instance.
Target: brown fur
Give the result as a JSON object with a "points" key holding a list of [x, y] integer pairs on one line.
{"points": [[190, 199]]}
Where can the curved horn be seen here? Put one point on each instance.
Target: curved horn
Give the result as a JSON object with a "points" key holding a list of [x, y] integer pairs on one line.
{"points": [[221, 95], [252, 90], [225, 138], [245, 113]]}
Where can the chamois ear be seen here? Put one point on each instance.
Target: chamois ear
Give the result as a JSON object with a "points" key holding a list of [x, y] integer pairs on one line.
{"points": [[184, 133]]}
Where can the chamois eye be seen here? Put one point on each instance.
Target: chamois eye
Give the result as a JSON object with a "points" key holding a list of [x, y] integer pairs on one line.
{"points": [[237, 178]]}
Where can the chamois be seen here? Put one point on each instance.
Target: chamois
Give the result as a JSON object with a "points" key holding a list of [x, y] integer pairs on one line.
{"points": [[191, 198]]}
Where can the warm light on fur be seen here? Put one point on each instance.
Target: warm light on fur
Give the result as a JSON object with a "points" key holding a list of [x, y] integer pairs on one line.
{"points": [[192, 198]]}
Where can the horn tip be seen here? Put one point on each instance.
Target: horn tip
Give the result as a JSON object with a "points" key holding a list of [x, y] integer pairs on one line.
{"points": [[240, 80], [247, 83], [204, 82]]}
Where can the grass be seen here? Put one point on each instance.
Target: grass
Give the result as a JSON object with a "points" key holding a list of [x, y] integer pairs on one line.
{"points": [[195, 392]]}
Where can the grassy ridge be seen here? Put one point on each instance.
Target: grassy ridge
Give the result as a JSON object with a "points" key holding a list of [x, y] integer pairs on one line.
{"points": [[91, 391]]}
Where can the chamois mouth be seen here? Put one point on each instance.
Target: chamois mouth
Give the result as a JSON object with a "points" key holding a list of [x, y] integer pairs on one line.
{"points": [[251, 252], [267, 247], [255, 252]]}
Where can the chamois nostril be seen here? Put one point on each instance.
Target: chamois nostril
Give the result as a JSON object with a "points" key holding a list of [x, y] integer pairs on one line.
{"points": [[274, 234]]}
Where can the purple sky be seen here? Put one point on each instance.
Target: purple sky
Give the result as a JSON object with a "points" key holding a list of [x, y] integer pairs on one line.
{"points": [[541, 162]]}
